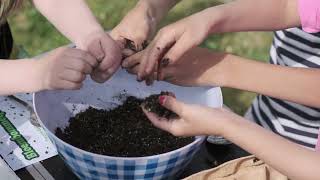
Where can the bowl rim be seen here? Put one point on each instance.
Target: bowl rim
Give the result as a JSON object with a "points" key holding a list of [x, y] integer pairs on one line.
{"points": [[198, 139]]}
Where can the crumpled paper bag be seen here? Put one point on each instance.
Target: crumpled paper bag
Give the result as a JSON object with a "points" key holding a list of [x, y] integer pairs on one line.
{"points": [[245, 168]]}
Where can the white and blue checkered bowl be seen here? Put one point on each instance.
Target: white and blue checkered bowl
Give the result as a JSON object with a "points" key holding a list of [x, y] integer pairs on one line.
{"points": [[54, 108]]}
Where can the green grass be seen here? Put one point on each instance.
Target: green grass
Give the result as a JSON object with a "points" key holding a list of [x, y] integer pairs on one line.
{"points": [[36, 35]]}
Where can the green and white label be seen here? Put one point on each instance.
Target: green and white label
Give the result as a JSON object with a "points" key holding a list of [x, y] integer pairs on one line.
{"points": [[21, 143], [27, 150]]}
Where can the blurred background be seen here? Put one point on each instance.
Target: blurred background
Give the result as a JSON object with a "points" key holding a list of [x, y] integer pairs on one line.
{"points": [[34, 35]]}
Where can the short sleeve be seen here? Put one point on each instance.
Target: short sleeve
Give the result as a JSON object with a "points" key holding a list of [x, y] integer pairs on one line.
{"points": [[309, 11]]}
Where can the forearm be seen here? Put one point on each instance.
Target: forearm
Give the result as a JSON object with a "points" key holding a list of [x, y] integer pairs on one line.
{"points": [[17, 76], [155, 8], [290, 159], [299, 85], [73, 18], [250, 15]]}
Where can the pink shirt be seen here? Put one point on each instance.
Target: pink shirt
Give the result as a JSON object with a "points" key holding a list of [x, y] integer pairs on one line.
{"points": [[309, 11]]}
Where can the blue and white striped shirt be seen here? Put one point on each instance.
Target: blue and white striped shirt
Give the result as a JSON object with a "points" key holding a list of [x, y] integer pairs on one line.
{"points": [[298, 123]]}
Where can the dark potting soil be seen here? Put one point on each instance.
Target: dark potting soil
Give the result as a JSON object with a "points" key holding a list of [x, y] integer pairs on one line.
{"points": [[152, 104], [123, 131], [129, 44]]}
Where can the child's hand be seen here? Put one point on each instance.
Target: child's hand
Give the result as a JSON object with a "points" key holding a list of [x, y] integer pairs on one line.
{"points": [[197, 67], [194, 119], [66, 68], [138, 26], [173, 41], [108, 54]]}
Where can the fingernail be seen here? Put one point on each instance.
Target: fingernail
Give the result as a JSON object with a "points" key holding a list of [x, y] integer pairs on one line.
{"points": [[145, 44], [139, 79], [162, 99], [124, 64], [165, 62], [129, 44], [140, 76]]}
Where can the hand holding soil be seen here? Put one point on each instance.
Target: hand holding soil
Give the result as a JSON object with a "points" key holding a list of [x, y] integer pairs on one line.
{"points": [[152, 104], [66, 68], [193, 120]]}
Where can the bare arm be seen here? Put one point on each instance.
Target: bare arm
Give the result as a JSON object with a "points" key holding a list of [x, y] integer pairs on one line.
{"points": [[19, 76], [249, 15], [72, 17], [290, 159], [239, 15], [298, 85], [62, 68]]}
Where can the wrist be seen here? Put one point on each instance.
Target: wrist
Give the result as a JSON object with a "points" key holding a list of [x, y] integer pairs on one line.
{"points": [[226, 71], [232, 122], [219, 74], [218, 17], [38, 75], [226, 124], [235, 124], [154, 8], [83, 41]]}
